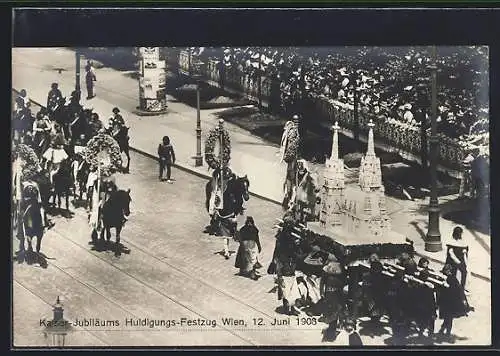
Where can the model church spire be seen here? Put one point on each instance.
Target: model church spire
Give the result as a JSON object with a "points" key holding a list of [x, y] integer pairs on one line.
{"points": [[370, 175]]}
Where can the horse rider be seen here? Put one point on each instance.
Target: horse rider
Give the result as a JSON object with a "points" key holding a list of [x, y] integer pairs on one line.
{"points": [[55, 154], [118, 118], [54, 99], [41, 131], [95, 125], [22, 113]]}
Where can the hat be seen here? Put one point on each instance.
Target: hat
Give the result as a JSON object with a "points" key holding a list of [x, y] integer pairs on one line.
{"points": [[116, 110]]}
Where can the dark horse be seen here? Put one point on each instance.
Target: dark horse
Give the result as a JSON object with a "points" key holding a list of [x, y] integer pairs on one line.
{"points": [[113, 213], [43, 181], [81, 178], [63, 182], [31, 218], [235, 195], [123, 141]]}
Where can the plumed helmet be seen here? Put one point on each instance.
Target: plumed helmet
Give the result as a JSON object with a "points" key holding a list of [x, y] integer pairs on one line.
{"points": [[116, 110]]}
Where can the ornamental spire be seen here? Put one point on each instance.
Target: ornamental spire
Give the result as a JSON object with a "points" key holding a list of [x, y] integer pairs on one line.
{"points": [[371, 145], [335, 143]]}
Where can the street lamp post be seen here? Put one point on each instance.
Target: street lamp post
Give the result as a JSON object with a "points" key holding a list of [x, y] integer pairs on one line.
{"points": [[77, 72], [198, 159], [433, 241], [56, 330]]}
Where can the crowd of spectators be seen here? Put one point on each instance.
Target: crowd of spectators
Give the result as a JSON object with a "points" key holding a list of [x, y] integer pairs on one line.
{"points": [[390, 82]]}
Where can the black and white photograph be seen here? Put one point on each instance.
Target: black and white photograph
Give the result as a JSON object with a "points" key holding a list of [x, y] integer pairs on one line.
{"points": [[251, 196]]}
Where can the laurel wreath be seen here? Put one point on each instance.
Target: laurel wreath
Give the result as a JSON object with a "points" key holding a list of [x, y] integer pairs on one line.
{"points": [[97, 144], [212, 139], [31, 166], [292, 145]]}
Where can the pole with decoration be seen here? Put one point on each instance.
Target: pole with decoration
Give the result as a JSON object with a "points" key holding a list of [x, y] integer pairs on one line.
{"points": [[222, 163]]}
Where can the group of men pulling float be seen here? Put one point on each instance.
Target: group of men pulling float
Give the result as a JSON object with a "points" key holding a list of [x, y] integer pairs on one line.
{"points": [[63, 146]]}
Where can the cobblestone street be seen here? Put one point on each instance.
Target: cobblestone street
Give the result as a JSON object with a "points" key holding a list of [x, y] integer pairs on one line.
{"points": [[173, 271]]}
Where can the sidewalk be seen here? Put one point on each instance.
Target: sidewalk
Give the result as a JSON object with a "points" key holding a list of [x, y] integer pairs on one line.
{"points": [[249, 155]]}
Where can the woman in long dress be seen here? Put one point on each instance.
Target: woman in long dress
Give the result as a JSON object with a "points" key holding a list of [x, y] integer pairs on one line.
{"points": [[285, 260], [246, 258], [452, 301]]}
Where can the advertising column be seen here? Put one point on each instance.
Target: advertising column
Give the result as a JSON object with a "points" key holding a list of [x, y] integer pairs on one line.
{"points": [[152, 82]]}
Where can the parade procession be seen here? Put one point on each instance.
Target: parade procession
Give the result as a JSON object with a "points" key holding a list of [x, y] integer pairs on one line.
{"points": [[181, 211]]}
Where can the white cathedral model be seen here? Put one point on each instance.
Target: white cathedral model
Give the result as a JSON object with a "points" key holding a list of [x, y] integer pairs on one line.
{"points": [[354, 212]]}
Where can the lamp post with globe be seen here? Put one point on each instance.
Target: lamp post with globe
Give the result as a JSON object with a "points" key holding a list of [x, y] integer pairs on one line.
{"points": [[433, 240], [196, 74], [57, 329]]}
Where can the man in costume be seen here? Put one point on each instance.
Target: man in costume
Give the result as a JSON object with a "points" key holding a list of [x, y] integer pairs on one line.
{"points": [[90, 78], [54, 100], [41, 131]]}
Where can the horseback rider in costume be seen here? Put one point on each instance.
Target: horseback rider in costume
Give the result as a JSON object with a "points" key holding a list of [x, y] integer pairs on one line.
{"points": [[54, 100], [22, 114], [41, 131], [95, 125], [56, 153]]}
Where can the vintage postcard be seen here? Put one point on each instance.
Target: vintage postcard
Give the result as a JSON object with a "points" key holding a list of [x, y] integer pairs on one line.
{"points": [[250, 196]]}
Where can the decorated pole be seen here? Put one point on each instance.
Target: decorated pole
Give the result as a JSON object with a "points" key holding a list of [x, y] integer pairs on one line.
{"points": [[296, 158], [221, 151]]}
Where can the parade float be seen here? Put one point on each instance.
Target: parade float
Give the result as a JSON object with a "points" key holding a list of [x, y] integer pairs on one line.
{"points": [[353, 221]]}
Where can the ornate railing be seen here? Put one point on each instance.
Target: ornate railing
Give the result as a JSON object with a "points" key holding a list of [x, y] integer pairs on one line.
{"points": [[390, 132]]}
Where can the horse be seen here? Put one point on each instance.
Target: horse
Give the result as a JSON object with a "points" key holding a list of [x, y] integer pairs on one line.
{"points": [[63, 182], [45, 187], [81, 178], [123, 141], [235, 195], [113, 214], [30, 223], [22, 124]]}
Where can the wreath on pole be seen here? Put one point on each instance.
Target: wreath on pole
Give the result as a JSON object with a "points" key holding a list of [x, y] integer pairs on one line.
{"points": [[102, 150], [290, 142], [30, 165], [213, 138]]}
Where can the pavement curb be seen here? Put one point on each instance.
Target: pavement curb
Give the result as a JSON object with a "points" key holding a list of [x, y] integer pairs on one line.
{"points": [[191, 170], [188, 169]]}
